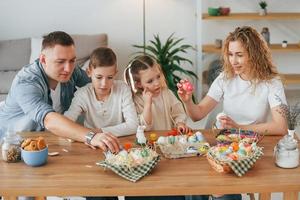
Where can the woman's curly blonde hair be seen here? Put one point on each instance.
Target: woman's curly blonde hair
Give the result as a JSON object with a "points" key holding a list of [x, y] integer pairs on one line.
{"points": [[260, 59]]}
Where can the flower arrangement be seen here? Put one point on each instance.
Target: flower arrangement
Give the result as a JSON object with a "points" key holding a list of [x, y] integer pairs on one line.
{"points": [[291, 113]]}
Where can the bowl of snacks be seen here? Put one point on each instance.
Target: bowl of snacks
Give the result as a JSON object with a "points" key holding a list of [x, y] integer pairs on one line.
{"points": [[34, 152]]}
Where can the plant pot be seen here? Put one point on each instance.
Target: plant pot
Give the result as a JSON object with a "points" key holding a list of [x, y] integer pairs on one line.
{"points": [[224, 10], [213, 11], [284, 44], [263, 12]]}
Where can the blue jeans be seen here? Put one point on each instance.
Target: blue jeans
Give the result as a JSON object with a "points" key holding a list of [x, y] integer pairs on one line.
{"points": [[156, 198], [101, 198], [197, 197], [228, 197]]}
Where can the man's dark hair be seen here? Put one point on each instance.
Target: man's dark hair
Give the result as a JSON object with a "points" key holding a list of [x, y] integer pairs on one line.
{"points": [[57, 37]]}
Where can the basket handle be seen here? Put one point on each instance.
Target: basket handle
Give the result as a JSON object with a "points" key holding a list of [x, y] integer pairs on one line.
{"points": [[260, 137]]}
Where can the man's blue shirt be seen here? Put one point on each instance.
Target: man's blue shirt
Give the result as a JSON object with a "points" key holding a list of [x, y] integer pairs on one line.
{"points": [[29, 96]]}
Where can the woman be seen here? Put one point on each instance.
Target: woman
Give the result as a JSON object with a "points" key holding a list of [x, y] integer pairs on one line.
{"points": [[249, 87]]}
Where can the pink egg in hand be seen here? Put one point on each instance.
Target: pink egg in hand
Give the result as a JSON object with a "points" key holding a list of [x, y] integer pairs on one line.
{"points": [[187, 86]]}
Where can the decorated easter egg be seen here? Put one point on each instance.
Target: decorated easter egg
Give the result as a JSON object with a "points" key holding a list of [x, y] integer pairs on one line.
{"points": [[187, 86], [171, 139], [242, 152], [235, 146], [192, 139], [144, 153], [123, 153], [199, 136], [233, 156], [223, 138], [204, 148], [253, 145], [182, 139], [161, 140], [220, 115], [191, 150]]}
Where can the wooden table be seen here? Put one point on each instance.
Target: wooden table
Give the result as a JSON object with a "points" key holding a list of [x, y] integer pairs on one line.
{"points": [[74, 173]]}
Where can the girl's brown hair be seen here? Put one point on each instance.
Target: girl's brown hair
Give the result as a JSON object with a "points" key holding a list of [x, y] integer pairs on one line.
{"points": [[262, 67], [131, 73]]}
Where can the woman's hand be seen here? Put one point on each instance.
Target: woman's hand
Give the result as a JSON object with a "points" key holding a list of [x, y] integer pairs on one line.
{"points": [[227, 122], [185, 90], [183, 128]]}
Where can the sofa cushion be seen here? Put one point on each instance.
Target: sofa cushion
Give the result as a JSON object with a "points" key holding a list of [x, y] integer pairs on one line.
{"points": [[14, 54], [36, 46], [2, 99], [6, 78], [85, 44]]}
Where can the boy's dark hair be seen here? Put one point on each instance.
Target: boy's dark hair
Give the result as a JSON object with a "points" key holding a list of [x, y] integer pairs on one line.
{"points": [[102, 56], [57, 37]]}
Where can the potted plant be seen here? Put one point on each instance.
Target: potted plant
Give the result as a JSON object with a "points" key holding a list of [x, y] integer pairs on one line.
{"points": [[263, 7], [291, 114], [169, 56]]}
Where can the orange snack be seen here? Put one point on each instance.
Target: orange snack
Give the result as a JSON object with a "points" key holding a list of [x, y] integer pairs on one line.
{"points": [[41, 144], [33, 145], [26, 142], [37, 144]]}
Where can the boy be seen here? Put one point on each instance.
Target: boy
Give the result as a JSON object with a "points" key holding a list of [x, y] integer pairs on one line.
{"points": [[106, 104]]}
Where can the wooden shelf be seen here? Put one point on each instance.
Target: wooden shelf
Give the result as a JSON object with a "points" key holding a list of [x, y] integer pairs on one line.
{"points": [[210, 48], [290, 78], [253, 16]]}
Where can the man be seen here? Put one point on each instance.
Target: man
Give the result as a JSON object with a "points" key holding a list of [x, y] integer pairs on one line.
{"points": [[43, 90]]}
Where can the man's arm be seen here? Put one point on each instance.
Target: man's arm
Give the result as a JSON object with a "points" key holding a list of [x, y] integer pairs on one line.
{"points": [[64, 127]]}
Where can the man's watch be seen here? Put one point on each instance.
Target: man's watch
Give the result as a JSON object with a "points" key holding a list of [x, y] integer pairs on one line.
{"points": [[89, 136]]}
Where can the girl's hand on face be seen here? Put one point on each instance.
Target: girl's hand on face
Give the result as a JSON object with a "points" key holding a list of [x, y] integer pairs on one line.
{"points": [[184, 94], [183, 128], [227, 122], [147, 96]]}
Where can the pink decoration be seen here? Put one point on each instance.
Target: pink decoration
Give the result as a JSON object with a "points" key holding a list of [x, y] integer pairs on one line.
{"points": [[185, 85]]}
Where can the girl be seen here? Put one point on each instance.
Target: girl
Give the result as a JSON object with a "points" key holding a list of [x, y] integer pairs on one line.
{"points": [[157, 106], [249, 87]]}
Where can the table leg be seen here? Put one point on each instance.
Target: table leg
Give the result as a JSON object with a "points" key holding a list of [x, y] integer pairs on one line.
{"points": [[264, 196], [251, 195], [9, 198], [290, 195]]}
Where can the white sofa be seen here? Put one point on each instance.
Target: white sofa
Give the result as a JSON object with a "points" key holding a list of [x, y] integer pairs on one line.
{"points": [[14, 54]]}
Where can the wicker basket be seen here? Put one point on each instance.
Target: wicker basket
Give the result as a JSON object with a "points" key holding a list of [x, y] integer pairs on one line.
{"points": [[221, 167], [178, 150], [250, 136], [239, 167]]}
